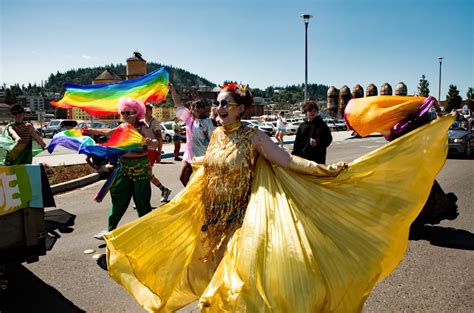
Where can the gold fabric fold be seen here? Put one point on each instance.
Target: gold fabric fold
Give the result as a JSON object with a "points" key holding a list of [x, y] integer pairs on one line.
{"points": [[307, 243]]}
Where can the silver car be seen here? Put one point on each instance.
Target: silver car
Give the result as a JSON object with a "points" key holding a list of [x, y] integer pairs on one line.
{"points": [[461, 137], [56, 126]]}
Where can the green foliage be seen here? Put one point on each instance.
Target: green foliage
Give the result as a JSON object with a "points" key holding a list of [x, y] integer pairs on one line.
{"points": [[453, 100], [10, 97], [423, 89], [60, 113], [470, 98]]}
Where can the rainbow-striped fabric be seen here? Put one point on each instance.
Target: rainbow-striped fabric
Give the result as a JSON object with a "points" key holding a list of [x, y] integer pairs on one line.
{"points": [[124, 139], [71, 139], [102, 100]]}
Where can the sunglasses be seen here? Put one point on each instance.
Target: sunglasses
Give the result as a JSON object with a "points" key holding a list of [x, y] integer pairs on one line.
{"points": [[17, 112], [127, 113], [225, 104]]}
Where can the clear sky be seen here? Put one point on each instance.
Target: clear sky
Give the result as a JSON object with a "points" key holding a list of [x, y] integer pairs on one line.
{"points": [[256, 42]]}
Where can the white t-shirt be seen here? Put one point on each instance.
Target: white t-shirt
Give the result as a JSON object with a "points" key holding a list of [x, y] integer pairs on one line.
{"points": [[150, 128], [281, 123]]}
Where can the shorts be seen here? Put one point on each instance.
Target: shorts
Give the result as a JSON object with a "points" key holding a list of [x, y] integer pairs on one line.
{"points": [[153, 156], [177, 138], [281, 131]]}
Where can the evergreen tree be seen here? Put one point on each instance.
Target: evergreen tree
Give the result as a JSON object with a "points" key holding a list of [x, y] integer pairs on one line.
{"points": [[10, 97], [470, 98], [453, 100], [423, 89]]}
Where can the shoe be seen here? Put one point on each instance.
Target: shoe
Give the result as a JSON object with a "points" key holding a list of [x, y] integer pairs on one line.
{"points": [[178, 159], [165, 195], [100, 235]]}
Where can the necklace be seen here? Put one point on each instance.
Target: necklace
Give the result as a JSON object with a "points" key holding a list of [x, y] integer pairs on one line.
{"points": [[229, 128]]}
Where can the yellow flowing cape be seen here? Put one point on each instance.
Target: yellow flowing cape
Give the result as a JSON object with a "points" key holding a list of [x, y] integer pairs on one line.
{"points": [[307, 244]]}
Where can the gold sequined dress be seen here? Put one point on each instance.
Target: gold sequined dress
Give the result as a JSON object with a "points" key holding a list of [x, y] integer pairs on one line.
{"points": [[248, 236]]}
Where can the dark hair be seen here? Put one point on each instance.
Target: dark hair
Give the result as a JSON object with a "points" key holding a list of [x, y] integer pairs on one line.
{"points": [[310, 105], [17, 108], [282, 113]]}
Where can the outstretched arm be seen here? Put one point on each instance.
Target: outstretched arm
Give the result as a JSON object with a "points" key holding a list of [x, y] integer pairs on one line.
{"points": [[174, 96], [270, 151]]}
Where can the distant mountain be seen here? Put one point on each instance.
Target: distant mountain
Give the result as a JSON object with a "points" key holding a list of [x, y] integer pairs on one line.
{"points": [[84, 76]]}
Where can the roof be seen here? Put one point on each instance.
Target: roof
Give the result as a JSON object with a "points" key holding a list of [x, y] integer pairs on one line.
{"points": [[108, 75]]}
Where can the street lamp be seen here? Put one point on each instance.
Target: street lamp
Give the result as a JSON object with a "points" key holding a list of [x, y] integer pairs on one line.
{"points": [[439, 86], [306, 18]]}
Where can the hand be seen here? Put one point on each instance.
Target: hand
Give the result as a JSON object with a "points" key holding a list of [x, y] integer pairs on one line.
{"points": [[313, 142], [148, 141]]}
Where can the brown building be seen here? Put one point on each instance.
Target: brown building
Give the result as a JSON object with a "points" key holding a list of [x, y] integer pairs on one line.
{"points": [[401, 89], [371, 90], [344, 98], [136, 66], [386, 90], [357, 92]]}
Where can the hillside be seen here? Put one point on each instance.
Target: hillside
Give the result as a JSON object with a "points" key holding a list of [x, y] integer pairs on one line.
{"points": [[282, 96]]}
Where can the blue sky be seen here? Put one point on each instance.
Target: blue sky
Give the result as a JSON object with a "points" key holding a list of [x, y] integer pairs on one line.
{"points": [[257, 42]]}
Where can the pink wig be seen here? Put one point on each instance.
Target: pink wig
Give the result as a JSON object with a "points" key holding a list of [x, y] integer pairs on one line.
{"points": [[128, 104]]}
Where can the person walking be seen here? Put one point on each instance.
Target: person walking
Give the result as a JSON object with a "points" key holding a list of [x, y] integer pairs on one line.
{"points": [[281, 128], [152, 129], [133, 178], [199, 129], [177, 129], [313, 135]]}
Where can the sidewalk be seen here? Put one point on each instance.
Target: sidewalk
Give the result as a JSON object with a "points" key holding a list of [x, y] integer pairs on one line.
{"points": [[63, 156]]}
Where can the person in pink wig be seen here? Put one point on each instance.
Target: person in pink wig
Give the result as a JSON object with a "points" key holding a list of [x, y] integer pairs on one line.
{"points": [[134, 173]]}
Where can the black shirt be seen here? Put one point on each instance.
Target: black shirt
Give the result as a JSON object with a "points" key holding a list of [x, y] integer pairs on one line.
{"points": [[315, 129]]}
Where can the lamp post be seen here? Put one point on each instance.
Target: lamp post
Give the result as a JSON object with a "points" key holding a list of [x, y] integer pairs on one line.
{"points": [[306, 18], [439, 85]]}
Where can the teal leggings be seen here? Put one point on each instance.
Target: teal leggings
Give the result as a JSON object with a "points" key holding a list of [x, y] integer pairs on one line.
{"points": [[122, 191]]}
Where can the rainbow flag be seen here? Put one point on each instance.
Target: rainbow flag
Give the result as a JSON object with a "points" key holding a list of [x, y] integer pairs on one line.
{"points": [[125, 138], [382, 113], [71, 139], [101, 100]]}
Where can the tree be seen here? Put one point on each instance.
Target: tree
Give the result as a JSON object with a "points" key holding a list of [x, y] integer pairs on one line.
{"points": [[470, 98], [423, 89], [10, 97], [60, 113], [453, 100]]}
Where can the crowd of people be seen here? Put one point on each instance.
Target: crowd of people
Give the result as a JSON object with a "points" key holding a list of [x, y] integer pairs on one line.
{"points": [[251, 211]]}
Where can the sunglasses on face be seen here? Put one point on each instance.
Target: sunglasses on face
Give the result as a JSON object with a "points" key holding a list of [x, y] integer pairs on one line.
{"points": [[225, 104], [17, 112], [127, 113]]}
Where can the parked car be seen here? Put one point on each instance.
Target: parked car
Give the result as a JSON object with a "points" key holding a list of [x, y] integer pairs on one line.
{"points": [[256, 124], [166, 134], [461, 137], [292, 128], [56, 126], [169, 130], [340, 124]]}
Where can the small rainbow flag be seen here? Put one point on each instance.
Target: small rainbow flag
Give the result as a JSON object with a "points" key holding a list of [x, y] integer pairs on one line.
{"points": [[71, 139], [102, 100], [124, 139]]}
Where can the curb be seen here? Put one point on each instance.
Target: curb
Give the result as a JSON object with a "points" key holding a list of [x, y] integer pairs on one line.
{"points": [[76, 183]]}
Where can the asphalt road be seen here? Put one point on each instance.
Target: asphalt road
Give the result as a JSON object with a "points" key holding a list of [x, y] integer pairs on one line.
{"points": [[437, 274]]}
